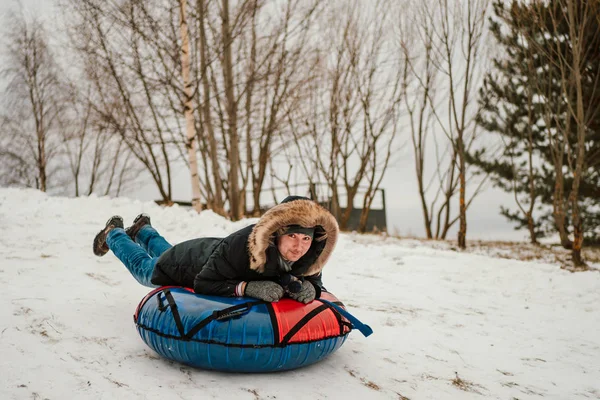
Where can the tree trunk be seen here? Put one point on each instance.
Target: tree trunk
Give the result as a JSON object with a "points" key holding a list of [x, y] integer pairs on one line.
{"points": [[38, 112], [577, 61], [218, 205], [256, 182], [362, 222], [42, 163], [559, 209], [531, 227], [189, 107], [462, 231], [345, 216], [234, 153], [530, 150], [334, 205], [578, 261], [446, 207]]}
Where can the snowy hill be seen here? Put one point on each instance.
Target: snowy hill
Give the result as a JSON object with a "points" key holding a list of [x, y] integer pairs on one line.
{"points": [[448, 325]]}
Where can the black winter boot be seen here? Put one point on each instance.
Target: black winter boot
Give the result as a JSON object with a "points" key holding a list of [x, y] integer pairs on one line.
{"points": [[138, 223], [100, 246]]}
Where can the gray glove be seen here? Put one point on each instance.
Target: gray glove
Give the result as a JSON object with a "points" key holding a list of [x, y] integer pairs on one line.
{"points": [[264, 290], [306, 294]]}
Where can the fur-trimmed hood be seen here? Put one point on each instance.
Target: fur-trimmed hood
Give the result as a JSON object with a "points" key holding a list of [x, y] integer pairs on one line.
{"points": [[295, 211]]}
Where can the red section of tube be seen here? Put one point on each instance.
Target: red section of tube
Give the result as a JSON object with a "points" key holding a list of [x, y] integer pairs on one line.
{"points": [[289, 313]]}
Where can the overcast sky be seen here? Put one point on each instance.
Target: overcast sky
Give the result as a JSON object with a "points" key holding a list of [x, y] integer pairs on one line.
{"points": [[403, 206]]}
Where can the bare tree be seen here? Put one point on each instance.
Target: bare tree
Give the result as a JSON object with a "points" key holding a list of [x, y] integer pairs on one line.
{"points": [[248, 74], [337, 96], [32, 104], [575, 22], [231, 107], [441, 44], [249, 95], [461, 31], [416, 43], [131, 57], [276, 75], [98, 161], [577, 17], [380, 110], [76, 139], [215, 200], [344, 132]]}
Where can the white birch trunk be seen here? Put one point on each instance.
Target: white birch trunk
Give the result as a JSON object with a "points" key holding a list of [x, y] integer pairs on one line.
{"points": [[188, 105]]}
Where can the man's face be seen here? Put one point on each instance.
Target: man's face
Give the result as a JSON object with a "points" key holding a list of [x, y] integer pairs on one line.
{"points": [[294, 245]]}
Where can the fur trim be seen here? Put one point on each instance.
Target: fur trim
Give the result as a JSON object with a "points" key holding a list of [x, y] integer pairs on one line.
{"points": [[297, 212]]}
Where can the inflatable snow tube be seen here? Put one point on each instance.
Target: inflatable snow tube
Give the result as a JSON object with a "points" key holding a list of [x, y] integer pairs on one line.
{"points": [[239, 334]]}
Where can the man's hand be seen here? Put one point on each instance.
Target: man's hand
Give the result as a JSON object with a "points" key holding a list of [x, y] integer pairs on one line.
{"points": [[306, 294], [264, 290]]}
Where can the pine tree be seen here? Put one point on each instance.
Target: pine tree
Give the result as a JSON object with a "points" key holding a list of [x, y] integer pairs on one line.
{"points": [[511, 116], [523, 85]]}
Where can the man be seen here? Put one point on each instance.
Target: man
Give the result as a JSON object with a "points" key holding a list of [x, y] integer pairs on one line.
{"points": [[295, 237]]}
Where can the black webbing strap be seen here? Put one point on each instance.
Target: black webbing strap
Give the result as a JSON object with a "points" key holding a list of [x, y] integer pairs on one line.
{"points": [[343, 323], [217, 315], [173, 307], [220, 315]]}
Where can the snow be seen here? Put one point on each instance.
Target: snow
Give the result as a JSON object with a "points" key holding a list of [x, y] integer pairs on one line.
{"points": [[447, 325]]}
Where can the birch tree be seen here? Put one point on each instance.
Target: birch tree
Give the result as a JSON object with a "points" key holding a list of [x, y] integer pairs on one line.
{"points": [[189, 106]]}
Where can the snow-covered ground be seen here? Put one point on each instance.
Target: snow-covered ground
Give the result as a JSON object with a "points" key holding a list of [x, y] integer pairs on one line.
{"points": [[448, 325]]}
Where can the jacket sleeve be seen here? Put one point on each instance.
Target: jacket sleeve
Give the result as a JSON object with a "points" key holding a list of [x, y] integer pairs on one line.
{"points": [[317, 283], [221, 274]]}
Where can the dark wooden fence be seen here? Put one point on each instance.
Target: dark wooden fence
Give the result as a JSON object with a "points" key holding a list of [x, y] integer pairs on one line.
{"points": [[376, 219]]}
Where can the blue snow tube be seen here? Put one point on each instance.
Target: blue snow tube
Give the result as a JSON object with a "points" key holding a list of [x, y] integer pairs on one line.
{"points": [[240, 334]]}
